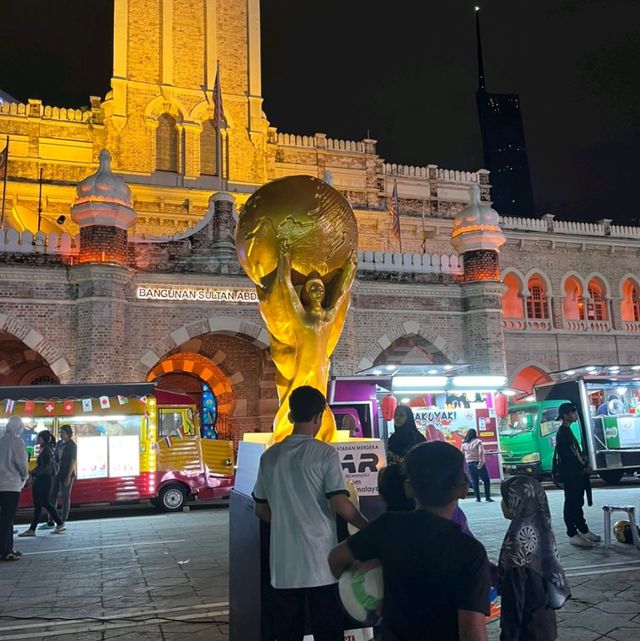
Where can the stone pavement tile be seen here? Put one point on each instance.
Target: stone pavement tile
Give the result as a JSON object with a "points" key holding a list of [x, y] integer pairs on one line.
{"points": [[598, 621], [195, 632], [619, 607], [577, 634], [146, 633], [81, 636], [622, 634]]}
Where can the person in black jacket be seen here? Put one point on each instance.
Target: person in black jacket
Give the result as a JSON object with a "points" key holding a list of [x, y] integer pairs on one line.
{"points": [[574, 474], [40, 479], [66, 453]]}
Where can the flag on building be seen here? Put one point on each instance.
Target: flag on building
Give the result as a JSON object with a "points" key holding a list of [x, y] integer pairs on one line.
{"points": [[29, 407], [218, 111], [105, 404], [49, 407], [123, 400], [180, 432], [67, 407], [394, 210], [8, 406], [4, 160], [87, 405], [167, 441]]}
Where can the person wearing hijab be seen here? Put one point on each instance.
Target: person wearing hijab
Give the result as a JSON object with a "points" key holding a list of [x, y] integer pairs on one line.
{"points": [[14, 471], [531, 580], [42, 477], [405, 434]]}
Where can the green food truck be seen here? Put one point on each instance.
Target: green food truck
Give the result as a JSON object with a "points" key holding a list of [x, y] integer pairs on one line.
{"points": [[608, 402], [528, 437]]}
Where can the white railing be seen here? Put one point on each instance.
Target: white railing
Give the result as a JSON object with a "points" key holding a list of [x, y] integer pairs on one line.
{"points": [[522, 324], [600, 325], [575, 325], [409, 262], [14, 242], [568, 227], [631, 326]]}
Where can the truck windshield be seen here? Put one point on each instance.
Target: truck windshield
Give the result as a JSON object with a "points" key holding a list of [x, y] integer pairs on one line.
{"points": [[519, 421]]}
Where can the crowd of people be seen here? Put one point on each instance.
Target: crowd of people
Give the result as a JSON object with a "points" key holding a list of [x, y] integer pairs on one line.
{"points": [[51, 480], [437, 576]]}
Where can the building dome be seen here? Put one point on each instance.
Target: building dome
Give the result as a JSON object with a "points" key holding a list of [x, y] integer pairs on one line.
{"points": [[477, 226], [103, 198], [104, 186], [476, 215]]}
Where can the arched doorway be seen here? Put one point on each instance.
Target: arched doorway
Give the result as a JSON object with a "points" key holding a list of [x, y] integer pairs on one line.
{"points": [[528, 377], [205, 382], [21, 365], [411, 350]]}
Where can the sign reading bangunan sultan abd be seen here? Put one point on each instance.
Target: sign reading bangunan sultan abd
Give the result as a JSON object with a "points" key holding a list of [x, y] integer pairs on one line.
{"points": [[197, 294]]}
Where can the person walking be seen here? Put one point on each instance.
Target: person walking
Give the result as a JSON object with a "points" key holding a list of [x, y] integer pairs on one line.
{"points": [[14, 471], [405, 434], [531, 581], [436, 577], [473, 451], [66, 455], [41, 479], [571, 469], [299, 490]]}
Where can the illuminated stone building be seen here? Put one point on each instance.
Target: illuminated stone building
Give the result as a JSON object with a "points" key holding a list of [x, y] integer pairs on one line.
{"points": [[133, 275]]}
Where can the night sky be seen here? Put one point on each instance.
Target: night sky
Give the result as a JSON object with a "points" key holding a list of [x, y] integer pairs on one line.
{"points": [[406, 72]]}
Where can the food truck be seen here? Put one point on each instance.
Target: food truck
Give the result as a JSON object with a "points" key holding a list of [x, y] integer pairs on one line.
{"points": [[608, 402], [135, 442], [528, 437], [445, 402]]}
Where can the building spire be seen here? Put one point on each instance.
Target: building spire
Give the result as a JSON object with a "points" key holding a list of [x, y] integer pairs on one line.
{"points": [[481, 81]]}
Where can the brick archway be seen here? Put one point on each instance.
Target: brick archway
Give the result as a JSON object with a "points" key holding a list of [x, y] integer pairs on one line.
{"points": [[35, 341], [227, 325], [205, 369], [408, 328]]}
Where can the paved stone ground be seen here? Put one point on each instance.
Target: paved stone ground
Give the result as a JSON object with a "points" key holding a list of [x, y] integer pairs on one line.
{"points": [[138, 564]]}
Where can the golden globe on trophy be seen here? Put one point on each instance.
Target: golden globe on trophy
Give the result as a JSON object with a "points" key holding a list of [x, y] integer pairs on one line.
{"points": [[297, 240]]}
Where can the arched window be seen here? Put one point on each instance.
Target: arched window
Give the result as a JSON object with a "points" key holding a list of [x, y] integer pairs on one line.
{"points": [[572, 303], [166, 144], [511, 300], [630, 306], [537, 305], [208, 149], [597, 305]]}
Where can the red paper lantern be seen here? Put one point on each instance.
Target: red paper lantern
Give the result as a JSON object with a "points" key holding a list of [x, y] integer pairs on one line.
{"points": [[389, 404], [501, 405]]}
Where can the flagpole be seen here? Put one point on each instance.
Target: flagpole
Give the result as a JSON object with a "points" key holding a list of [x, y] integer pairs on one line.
{"points": [[217, 101], [5, 166]]}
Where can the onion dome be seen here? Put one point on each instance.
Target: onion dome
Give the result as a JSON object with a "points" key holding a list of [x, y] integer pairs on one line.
{"points": [[477, 225], [103, 198]]}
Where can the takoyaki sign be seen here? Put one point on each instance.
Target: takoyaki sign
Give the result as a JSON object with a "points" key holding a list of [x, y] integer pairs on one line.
{"points": [[444, 425]]}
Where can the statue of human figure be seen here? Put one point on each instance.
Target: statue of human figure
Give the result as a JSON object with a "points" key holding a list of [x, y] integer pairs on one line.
{"points": [[305, 329]]}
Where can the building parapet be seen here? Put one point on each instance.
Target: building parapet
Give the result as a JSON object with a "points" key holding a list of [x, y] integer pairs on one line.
{"points": [[548, 224], [409, 262], [14, 242], [35, 109], [320, 141]]}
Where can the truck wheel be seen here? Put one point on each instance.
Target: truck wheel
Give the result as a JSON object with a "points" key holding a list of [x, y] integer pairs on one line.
{"points": [[611, 477], [172, 498]]}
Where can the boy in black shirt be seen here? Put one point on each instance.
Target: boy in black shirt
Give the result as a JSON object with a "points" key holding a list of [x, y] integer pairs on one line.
{"points": [[436, 579]]}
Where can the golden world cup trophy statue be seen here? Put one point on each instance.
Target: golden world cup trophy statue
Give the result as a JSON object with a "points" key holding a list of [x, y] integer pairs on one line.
{"points": [[297, 240]]}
